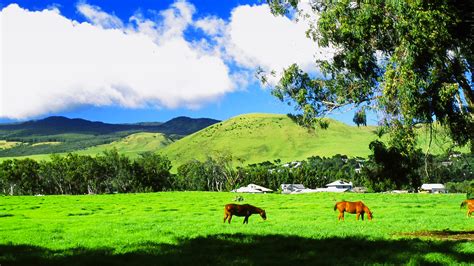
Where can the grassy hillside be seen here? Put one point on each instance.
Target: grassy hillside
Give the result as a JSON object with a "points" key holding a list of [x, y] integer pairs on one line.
{"points": [[260, 137], [132, 145], [60, 134], [186, 228]]}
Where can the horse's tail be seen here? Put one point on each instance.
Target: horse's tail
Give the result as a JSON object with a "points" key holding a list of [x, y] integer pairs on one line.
{"points": [[335, 207], [463, 203]]}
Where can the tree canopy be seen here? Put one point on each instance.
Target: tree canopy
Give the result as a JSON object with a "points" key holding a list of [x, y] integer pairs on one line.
{"points": [[411, 61]]}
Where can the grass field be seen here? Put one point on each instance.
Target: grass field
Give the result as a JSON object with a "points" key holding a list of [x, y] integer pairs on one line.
{"points": [[183, 228]]}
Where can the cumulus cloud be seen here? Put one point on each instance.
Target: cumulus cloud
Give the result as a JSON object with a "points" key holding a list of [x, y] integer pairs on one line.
{"points": [[211, 25], [256, 38], [51, 63], [97, 17]]}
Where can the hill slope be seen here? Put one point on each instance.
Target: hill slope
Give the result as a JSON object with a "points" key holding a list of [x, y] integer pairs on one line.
{"points": [[60, 134], [55, 125], [260, 137], [132, 145]]}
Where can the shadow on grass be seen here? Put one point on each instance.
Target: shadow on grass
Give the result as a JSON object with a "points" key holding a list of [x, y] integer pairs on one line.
{"points": [[242, 249]]}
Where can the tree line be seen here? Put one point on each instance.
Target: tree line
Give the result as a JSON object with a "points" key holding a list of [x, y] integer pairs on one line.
{"points": [[111, 172]]}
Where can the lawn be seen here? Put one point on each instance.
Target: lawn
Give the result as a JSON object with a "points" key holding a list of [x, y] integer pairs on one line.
{"points": [[172, 228]]}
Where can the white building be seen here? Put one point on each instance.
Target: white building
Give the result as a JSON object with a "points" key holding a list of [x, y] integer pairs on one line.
{"points": [[252, 188], [339, 186], [336, 186], [433, 188]]}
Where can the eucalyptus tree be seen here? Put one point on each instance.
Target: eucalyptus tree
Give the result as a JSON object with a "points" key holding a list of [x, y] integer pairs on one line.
{"points": [[411, 61]]}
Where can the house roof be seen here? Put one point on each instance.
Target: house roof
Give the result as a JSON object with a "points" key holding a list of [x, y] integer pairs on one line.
{"points": [[252, 188], [431, 186], [339, 183], [257, 187], [292, 186]]}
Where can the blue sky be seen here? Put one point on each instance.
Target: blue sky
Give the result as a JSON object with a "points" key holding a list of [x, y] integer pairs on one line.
{"points": [[146, 60]]}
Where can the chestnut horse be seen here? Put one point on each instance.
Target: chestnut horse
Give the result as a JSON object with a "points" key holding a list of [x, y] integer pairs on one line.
{"points": [[470, 206], [242, 210], [352, 207]]}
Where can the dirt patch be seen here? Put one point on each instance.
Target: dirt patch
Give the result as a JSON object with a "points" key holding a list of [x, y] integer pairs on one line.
{"points": [[442, 235]]}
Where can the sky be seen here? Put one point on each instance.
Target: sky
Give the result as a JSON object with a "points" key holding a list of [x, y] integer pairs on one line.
{"points": [[147, 60]]}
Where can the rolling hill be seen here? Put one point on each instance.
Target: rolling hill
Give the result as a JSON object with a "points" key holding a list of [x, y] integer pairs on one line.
{"points": [[132, 145], [56, 125], [260, 137], [256, 138], [60, 134]]}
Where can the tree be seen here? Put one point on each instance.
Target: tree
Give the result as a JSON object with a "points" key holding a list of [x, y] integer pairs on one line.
{"points": [[390, 168], [411, 61], [360, 118], [152, 172]]}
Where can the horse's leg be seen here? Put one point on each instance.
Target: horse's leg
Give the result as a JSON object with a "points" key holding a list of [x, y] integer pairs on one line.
{"points": [[246, 220], [357, 216], [362, 216], [339, 216], [225, 217], [230, 218]]}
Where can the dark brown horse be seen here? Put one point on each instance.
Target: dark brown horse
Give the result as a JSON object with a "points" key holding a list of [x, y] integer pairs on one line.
{"points": [[357, 207], [470, 206], [242, 210]]}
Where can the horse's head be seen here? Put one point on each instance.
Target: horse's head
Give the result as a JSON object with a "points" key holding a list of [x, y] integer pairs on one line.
{"points": [[370, 215], [263, 214]]}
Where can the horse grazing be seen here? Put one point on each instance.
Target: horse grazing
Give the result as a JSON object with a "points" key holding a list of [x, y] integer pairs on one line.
{"points": [[352, 207], [470, 206], [242, 210]]}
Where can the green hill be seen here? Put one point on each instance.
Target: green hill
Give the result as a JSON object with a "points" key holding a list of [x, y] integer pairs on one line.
{"points": [[132, 145], [260, 137], [57, 134], [256, 138]]}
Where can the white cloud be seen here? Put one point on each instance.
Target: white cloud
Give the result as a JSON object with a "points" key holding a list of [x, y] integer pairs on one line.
{"points": [[51, 63], [256, 38], [211, 25], [97, 17]]}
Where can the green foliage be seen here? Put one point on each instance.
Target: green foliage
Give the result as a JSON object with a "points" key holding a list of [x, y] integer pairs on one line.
{"points": [[410, 60], [390, 168], [360, 118], [109, 172], [186, 228]]}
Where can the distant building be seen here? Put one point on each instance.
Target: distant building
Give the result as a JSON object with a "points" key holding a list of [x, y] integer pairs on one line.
{"points": [[339, 186], [252, 188], [336, 186], [292, 188], [433, 188]]}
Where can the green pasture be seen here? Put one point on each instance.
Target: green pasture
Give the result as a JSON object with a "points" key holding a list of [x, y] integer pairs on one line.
{"points": [[183, 228]]}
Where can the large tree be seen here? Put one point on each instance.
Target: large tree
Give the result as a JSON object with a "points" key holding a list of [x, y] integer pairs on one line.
{"points": [[411, 61]]}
